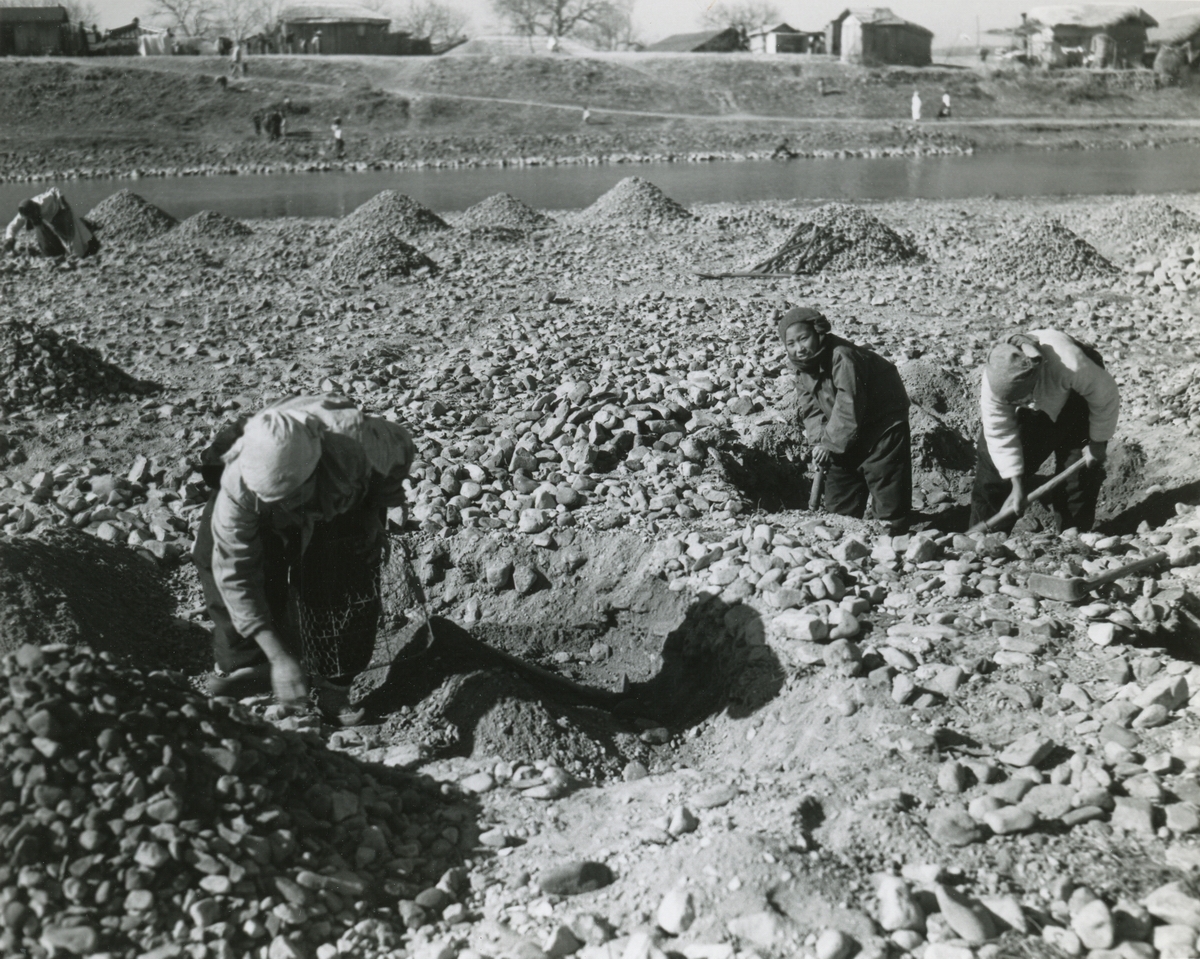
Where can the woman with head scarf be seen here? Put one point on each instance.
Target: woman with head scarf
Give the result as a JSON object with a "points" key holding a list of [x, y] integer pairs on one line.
{"points": [[291, 543], [1043, 392], [58, 231], [854, 410]]}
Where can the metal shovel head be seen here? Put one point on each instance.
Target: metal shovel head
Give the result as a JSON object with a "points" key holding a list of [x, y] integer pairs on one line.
{"points": [[1057, 587]]}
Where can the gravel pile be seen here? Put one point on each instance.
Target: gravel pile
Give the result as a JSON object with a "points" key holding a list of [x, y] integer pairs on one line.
{"points": [[38, 368], [380, 255], [137, 815], [126, 216], [838, 237], [209, 225], [1143, 222], [635, 202], [393, 212], [503, 210], [1042, 249]]}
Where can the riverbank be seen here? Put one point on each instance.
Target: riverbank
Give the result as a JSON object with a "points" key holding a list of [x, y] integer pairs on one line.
{"points": [[170, 116]]}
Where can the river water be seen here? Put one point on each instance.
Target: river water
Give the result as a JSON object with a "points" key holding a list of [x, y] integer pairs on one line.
{"points": [[1174, 169]]}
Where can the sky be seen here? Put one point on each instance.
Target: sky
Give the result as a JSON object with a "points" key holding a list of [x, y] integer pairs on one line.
{"points": [[953, 22]]}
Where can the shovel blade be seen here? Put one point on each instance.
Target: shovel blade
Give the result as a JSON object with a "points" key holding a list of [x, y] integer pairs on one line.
{"points": [[1057, 587]]}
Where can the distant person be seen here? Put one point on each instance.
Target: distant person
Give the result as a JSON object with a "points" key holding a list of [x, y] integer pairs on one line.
{"points": [[587, 115], [274, 125], [944, 110], [258, 123], [304, 45], [339, 142], [58, 231], [916, 105], [552, 44], [287, 106], [820, 86], [316, 43], [237, 61]]}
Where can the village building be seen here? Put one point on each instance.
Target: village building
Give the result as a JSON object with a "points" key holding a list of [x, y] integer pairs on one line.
{"points": [[787, 39], [728, 40], [39, 32], [875, 35], [346, 28], [1096, 35], [1180, 34]]}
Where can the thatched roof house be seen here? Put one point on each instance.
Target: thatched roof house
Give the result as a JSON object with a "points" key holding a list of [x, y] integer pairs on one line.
{"points": [[707, 41], [1110, 35]]}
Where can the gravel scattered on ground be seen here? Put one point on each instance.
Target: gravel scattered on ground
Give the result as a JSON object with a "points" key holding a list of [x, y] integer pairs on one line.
{"points": [[1145, 223], [392, 212], [503, 210], [635, 202], [838, 237], [1043, 248], [126, 217]]}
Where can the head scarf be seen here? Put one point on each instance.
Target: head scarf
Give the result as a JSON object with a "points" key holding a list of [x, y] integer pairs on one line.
{"points": [[31, 211], [276, 454], [815, 321], [1012, 368]]}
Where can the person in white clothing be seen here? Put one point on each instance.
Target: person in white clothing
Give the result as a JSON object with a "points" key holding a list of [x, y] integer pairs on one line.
{"points": [[339, 140], [916, 105], [58, 231], [1043, 392]]}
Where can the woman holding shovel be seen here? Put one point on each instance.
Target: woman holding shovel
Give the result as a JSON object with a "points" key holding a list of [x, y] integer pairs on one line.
{"points": [[291, 543], [854, 410], [1042, 393]]}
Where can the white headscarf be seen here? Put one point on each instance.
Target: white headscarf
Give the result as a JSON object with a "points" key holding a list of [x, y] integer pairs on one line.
{"points": [[276, 454]]}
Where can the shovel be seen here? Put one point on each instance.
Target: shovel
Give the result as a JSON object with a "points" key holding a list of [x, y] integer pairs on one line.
{"points": [[1042, 491], [1070, 589]]}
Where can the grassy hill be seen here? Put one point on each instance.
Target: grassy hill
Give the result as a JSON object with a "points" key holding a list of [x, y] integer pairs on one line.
{"points": [[172, 109]]}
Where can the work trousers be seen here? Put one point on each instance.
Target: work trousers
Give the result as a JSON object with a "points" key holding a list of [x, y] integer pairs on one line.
{"points": [[1074, 503], [881, 469], [325, 604], [50, 245]]}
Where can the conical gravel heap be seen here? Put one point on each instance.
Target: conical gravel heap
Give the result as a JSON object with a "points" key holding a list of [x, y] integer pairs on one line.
{"points": [[635, 202], [210, 225], [125, 216], [1042, 249], [504, 210], [40, 368], [393, 212], [137, 814], [836, 237], [378, 257]]}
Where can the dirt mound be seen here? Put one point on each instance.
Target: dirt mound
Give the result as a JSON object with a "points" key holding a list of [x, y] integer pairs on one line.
{"points": [[838, 237], [69, 588], [503, 210], [392, 212], [635, 202], [1148, 222], [206, 781], [940, 390], [39, 368], [378, 256], [210, 225], [1043, 248], [125, 216]]}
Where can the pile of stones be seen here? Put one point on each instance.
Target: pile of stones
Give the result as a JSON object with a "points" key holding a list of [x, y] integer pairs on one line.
{"points": [[635, 202], [128, 218], [836, 237]]}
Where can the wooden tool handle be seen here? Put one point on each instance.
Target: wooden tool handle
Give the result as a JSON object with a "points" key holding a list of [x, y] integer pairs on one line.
{"points": [[818, 488], [1047, 487], [1128, 570]]}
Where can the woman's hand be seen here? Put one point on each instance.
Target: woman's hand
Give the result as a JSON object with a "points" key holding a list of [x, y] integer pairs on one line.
{"points": [[287, 675], [1017, 501], [820, 457]]}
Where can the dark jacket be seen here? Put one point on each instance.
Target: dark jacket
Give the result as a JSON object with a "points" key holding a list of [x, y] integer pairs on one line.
{"points": [[851, 398]]}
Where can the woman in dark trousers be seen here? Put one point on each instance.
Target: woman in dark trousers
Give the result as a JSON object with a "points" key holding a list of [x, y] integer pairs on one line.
{"points": [[854, 410]]}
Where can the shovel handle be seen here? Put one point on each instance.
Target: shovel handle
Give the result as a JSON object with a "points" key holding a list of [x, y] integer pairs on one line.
{"points": [[818, 489], [1155, 559], [1047, 487]]}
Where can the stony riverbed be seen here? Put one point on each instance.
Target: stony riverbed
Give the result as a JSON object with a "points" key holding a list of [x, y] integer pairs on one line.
{"points": [[829, 742]]}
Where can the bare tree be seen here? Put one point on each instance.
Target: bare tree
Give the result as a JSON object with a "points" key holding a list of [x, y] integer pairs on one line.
{"points": [[612, 30], [553, 18], [438, 21], [746, 16], [239, 19], [78, 11], [189, 18]]}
